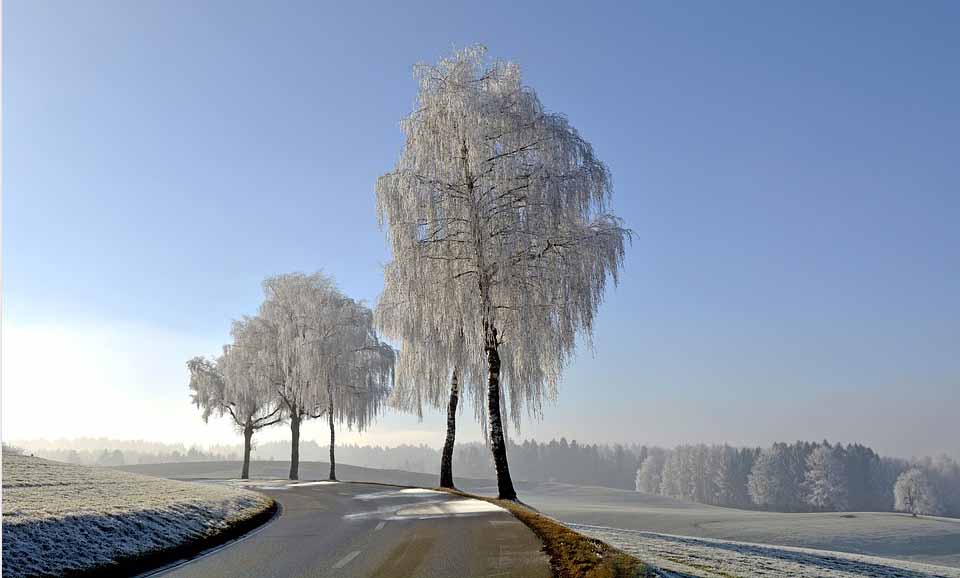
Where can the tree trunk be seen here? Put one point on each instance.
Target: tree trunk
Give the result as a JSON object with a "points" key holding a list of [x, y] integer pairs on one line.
{"points": [[294, 447], [333, 461], [446, 461], [247, 437], [497, 443]]}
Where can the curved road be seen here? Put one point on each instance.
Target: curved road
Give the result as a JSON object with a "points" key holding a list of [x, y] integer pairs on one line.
{"points": [[368, 530]]}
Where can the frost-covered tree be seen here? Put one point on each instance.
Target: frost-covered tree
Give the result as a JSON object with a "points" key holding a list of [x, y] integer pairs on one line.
{"points": [[766, 483], [913, 493], [233, 385], [943, 472], [301, 325], [360, 371], [433, 368], [498, 223], [650, 473], [825, 481], [776, 479], [721, 472]]}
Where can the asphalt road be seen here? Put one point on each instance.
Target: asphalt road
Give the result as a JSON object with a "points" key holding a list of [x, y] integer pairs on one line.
{"points": [[369, 530]]}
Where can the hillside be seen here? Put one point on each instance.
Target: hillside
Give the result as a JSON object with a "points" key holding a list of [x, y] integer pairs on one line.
{"points": [[60, 518]]}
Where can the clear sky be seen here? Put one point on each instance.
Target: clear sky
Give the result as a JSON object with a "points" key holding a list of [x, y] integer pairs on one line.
{"points": [[791, 172]]}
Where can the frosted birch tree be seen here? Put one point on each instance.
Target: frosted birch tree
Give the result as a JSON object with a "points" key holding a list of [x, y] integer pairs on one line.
{"points": [[825, 480], [299, 326], [433, 368], [913, 493], [359, 374], [232, 385], [766, 481], [650, 472], [497, 217]]}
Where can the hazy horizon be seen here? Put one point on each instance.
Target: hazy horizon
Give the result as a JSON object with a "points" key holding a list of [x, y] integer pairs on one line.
{"points": [[322, 441], [794, 274]]}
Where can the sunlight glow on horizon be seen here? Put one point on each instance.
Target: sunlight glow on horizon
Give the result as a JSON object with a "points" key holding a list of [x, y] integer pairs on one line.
{"points": [[68, 382]]}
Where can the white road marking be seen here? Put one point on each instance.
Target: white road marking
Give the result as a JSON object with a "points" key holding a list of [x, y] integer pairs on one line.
{"points": [[380, 526], [346, 559]]}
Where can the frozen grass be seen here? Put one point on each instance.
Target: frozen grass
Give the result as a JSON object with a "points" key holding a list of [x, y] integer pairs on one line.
{"points": [[707, 558], [66, 519]]}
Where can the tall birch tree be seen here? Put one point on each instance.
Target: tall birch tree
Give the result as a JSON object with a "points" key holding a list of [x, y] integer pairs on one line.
{"points": [[232, 385], [497, 217]]}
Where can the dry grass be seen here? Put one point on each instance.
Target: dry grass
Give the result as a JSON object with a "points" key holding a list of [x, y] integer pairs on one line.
{"points": [[572, 555]]}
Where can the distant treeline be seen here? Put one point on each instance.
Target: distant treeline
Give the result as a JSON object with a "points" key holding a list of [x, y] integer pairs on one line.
{"points": [[797, 477], [110, 452]]}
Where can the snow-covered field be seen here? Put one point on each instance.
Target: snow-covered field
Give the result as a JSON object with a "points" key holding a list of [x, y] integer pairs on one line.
{"points": [[60, 517], [926, 539], [706, 558]]}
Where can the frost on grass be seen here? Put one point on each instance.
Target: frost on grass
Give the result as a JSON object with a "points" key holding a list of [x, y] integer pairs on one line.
{"points": [[60, 517], [710, 558]]}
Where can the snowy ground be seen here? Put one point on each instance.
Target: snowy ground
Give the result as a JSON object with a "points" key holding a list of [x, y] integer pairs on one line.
{"points": [[59, 517], [926, 539], [705, 558]]}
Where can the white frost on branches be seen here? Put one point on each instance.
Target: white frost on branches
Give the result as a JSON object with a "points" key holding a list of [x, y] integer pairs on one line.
{"points": [[497, 217], [825, 480], [232, 383], [914, 494]]}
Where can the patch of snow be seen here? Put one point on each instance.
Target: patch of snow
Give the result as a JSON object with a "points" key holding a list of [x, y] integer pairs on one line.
{"points": [[404, 493], [317, 483], [451, 508], [60, 517]]}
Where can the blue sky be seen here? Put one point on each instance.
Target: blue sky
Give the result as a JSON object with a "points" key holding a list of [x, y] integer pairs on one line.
{"points": [[791, 172]]}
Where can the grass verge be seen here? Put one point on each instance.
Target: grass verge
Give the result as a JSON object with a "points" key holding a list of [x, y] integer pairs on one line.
{"points": [[572, 555]]}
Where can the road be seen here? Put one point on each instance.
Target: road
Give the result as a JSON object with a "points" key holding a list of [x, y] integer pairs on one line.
{"points": [[369, 530]]}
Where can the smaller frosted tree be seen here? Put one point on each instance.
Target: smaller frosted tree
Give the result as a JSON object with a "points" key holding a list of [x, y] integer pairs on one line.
{"points": [[825, 481], [720, 469], [231, 386], [360, 373], [765, 483], [650, 473], [300, 331], [913, 493]]}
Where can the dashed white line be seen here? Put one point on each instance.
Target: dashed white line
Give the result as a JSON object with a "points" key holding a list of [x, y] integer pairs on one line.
{"points": [[346, 559], [380, 526]]}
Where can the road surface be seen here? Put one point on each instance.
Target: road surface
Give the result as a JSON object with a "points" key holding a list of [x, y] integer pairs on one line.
{"points": [[368, 530]]}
